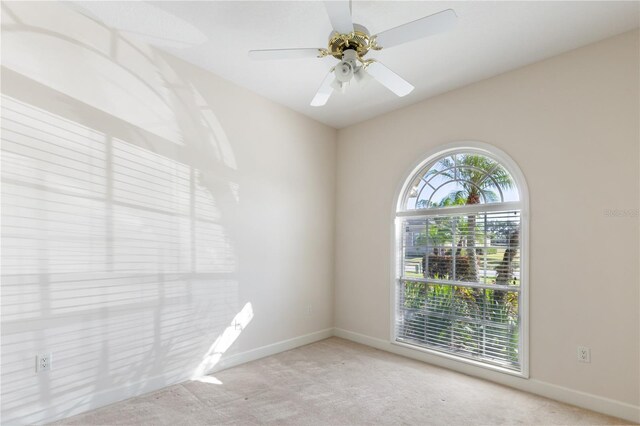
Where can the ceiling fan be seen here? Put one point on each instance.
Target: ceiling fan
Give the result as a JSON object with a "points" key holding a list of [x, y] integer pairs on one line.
{"points": [[350, 42]]}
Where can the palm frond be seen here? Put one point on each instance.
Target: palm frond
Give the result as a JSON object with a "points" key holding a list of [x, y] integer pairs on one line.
{"points": [[474, 174], [490, 196], [455, 198]]}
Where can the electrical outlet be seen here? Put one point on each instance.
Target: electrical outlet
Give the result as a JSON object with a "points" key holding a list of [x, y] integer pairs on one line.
{"points": [[584, 354], [43, 362]]}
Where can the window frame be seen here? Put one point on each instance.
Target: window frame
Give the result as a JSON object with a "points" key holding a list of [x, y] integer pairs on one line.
{"points": [[399, 213]]}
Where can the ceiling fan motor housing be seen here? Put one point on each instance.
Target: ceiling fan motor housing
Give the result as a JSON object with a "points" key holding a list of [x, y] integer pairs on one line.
{"points": [[359, 41]]}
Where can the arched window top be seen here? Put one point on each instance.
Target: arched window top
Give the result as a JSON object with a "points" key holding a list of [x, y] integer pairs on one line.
{"points": [[458, 178]]}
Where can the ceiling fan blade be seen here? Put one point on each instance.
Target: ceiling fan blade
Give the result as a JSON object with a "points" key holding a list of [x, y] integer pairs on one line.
{"points": [[423, 27], [325, 90], [389, 79], [268, 54], [340, 15]]}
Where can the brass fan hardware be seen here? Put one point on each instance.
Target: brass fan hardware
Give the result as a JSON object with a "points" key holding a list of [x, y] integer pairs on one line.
{"points": [[358, 40]]}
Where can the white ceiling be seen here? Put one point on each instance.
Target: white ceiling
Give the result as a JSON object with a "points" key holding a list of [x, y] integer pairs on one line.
{"points": [[490, 38]]}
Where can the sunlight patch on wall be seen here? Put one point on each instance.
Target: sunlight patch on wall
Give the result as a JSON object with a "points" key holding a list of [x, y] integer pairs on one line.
{"points": [[216, 135], [224, 341]]}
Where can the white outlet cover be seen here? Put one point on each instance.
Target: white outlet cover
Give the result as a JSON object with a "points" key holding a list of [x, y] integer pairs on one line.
{"points": [[43, 362], [584, 354]]}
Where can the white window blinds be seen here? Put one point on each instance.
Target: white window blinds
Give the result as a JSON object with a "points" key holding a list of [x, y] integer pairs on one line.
{"points": [[458, 284]]}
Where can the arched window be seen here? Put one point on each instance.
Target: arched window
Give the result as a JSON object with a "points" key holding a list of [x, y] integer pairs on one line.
{"points": [[460, 270]]}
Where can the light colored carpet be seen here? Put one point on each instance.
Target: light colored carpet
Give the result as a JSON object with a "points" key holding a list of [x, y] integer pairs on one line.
{"points": [[337, 382]]}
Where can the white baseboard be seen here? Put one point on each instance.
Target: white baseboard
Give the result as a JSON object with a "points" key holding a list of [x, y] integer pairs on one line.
{"points": [[76, 406], [272, 349], [589, 401]]}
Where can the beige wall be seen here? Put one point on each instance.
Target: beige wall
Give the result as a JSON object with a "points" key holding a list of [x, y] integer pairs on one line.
{"points": [[572, 125], [146, 205]]}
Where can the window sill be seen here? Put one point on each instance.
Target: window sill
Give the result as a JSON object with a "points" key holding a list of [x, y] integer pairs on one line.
{"points": [[458, 359]]}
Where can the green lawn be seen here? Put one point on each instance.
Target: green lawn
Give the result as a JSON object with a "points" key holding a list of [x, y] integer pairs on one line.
{"points": [[415, 264]]}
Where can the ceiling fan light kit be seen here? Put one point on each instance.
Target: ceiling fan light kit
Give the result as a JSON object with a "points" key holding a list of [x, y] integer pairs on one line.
{"points": [[350, 42]]}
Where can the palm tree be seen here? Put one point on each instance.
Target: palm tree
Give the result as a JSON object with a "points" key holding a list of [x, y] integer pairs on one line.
{"points": [[477, 177]]}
